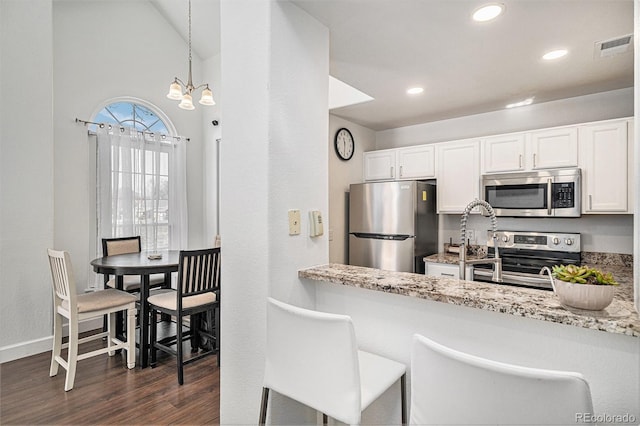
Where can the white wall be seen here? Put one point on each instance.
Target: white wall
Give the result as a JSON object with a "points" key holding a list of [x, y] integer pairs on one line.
{"points": [[581, 109], [95, 56], [210, 136], [341, 175], [275, 62], [80, 54], [26, 175]]}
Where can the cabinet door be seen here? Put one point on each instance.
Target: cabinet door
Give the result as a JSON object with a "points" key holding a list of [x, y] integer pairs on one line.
{"points": [[416, 162], [379, 165], [605, 172], [445, 270], [503, 153], [458, 175], [554, 148]]}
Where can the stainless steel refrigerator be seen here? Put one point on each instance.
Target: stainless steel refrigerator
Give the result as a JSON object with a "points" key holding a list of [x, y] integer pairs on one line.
{"points": [[392, 225]]}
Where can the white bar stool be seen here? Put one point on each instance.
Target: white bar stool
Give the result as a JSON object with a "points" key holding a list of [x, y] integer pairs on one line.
{"points": [[452, 387], [312, 357]]}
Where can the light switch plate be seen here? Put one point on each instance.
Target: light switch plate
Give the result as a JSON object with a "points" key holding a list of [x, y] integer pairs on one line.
{"points": [[294, 222]]}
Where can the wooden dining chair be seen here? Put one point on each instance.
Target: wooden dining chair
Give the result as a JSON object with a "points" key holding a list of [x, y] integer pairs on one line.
{"points": [[198, 293], [130, 283], [80, 307]]}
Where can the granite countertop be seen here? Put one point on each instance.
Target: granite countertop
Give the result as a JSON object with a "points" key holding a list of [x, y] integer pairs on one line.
{"points": [[619, 317]]}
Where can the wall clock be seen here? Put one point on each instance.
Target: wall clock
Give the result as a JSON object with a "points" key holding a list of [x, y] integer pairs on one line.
{"points": [[344, 145]]}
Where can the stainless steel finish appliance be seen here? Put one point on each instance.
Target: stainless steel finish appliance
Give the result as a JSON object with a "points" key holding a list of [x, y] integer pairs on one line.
{"points": [[392, 225], [524, 254], [546, 193]]}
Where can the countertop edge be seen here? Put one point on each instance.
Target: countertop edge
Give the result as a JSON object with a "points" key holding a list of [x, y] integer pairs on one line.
{"points": [[619, 318]]}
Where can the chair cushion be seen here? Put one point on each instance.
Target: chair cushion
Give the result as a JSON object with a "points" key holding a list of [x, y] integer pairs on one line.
{"points": [[169, 300], [132, 282], [102, 299]]}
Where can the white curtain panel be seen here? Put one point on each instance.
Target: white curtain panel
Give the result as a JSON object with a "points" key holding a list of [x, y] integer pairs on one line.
{"points": [[141, 187]]}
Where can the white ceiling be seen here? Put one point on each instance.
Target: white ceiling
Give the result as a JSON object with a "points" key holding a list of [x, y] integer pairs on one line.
{"points": [[383, 47]]}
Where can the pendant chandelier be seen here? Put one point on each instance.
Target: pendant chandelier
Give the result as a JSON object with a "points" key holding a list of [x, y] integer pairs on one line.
{"points": [[175, 89]]}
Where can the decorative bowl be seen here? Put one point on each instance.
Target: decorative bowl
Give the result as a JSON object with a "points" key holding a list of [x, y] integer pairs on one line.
{"points": [[593, 297]]}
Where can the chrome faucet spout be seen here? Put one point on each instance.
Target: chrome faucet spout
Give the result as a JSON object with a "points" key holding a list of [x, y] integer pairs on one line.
{"points": [[497, 262]]}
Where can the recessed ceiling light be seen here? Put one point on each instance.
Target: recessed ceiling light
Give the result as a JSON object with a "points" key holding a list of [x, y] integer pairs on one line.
{"points": [[555, 54], [415, 90], [488, 12], [527, 101]]}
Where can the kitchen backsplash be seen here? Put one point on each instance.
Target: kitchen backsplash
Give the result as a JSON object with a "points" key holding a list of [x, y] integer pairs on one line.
{"points": [[609, 259]]}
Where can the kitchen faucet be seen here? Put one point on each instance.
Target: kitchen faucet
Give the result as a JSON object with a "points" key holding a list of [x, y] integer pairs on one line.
{"points": [[497, 262]]}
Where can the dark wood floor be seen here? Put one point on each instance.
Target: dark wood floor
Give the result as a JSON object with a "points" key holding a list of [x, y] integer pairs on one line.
{"points": [[106, 392]]}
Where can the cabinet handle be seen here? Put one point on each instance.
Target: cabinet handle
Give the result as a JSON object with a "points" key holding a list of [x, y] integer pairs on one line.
{"points": [[520, 161], [446, 275], [391, 171], [400, 171], [534, 160], [590, 202], [549, 196]]}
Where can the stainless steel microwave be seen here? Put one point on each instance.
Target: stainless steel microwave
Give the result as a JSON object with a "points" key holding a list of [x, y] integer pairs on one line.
{"points": [[541, 193]]}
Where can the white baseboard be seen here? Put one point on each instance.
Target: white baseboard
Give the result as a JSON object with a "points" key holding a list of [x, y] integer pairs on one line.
{"points": [[44, 344]]}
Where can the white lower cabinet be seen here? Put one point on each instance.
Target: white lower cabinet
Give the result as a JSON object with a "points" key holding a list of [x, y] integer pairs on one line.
{"points": [[605, 160], [446, 270], [458, 175]]}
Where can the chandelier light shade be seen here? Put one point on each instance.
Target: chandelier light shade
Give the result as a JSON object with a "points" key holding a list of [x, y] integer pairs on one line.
{"points": [[177, 86]]}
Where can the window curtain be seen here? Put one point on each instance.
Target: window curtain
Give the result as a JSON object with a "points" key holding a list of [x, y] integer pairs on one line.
{"points": [[141, 187]]}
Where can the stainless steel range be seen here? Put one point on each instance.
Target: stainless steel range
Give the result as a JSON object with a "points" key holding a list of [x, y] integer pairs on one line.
{"points": [[524, 254]]}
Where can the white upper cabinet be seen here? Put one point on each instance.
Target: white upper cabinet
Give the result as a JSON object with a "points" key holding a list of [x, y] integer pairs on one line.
{"points": [[380, 165], [605, 160], [554, 148], [417, 162], [504, 153], [458, 175], [541, 149]]}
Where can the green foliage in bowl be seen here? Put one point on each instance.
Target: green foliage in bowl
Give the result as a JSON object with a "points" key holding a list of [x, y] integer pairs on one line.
{"points": [[582, 275]]}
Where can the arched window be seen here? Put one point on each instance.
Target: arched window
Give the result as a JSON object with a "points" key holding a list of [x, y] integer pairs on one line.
{"points": [[132, 114], [140, 175]]}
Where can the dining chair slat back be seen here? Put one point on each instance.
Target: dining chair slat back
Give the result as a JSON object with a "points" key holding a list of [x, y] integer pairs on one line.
{"points": [[199, 272], [61, 276]]}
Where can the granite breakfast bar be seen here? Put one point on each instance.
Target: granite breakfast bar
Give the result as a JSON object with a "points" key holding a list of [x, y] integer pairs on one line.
{"points": [[509, 324]]}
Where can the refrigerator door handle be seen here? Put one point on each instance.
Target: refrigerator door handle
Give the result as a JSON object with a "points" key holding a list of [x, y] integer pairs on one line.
{"points": [[382, 236]]}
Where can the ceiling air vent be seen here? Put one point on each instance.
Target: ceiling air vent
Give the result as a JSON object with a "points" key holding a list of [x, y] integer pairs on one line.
{"points": [[614, 46]]}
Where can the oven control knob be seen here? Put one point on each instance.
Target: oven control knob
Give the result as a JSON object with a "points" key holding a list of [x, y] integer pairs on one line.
{"points": [[555, 241], [568, 241], [505, 238]]}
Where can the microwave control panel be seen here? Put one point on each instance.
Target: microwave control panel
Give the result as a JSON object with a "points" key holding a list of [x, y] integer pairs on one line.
{"points": [[563, 195]]}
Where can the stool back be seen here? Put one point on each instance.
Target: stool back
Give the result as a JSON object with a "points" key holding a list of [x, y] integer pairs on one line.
{"points": [[452, 387], [312, 357]]}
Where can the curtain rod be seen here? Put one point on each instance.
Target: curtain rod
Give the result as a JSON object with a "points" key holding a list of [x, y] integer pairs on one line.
{"points": [[101, 125]]}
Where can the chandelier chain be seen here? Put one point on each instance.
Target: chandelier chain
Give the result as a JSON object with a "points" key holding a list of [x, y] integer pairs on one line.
{"points": [[189, 30]]}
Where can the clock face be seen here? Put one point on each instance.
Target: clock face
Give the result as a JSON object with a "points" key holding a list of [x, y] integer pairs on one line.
{"points": [[344, 144]]}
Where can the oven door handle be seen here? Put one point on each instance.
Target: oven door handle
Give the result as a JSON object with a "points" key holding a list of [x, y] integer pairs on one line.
{"points": [[549, 196]]}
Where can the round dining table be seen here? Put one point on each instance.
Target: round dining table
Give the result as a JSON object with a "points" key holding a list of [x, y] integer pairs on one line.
{"points": [[143, 264]]}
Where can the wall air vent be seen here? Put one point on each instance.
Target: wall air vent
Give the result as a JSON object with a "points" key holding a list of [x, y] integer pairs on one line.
{"points": [[614, 46]]}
